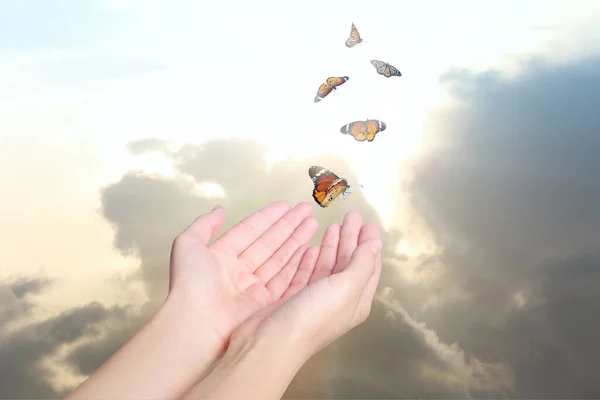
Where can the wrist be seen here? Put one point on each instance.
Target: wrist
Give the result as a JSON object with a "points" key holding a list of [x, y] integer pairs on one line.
{"points": [[258, 367], [192, 332]]}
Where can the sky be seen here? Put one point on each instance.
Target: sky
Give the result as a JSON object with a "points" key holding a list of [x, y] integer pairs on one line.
{"points": [[121, 121]]}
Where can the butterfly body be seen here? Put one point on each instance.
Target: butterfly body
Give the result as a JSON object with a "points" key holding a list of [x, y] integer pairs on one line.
{"points": [[364, 130], [354, 38], [330, 84], [385, 69], [327, 185]]}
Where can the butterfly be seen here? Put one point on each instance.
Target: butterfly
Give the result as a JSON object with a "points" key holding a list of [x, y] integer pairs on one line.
{"points": [[364, 130], [385, 69], [354, 38], [330, 84], [328, 186]]}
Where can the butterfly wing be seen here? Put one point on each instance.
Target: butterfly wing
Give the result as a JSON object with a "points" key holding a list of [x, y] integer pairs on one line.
{"points": [[357, 129], [323, 91], [322, 179], [354, 38], [385, 69], [378, 64], [393, 71], [330, 84], [373, 127], [336, 188], [337, 81]]}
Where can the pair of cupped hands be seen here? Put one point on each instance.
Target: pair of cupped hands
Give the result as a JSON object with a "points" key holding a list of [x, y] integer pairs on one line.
{"points": [[261, 285]]}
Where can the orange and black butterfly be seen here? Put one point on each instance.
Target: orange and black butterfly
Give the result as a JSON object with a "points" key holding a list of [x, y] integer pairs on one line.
{"points": [[364, 130], [328, 186], [385, 69], [354, 38], [330, 84]]}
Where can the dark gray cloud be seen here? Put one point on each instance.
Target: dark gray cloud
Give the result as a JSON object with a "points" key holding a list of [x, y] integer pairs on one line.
{"points": [[24, 286], [15, 296], [22, 350], [511, 192], [87, 358]]}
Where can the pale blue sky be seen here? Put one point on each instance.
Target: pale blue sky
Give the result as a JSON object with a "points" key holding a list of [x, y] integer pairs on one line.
{"points": [[34, 25]]}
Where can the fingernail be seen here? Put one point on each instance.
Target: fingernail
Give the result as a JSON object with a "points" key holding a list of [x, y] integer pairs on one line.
{"points": [[376, 246]]}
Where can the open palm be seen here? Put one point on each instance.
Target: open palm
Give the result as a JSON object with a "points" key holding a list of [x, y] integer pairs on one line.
{"points": [[326, 298], [247, 268]]}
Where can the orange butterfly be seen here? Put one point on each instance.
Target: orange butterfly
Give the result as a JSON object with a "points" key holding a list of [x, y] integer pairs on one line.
{"points": [[364, 130], [330, 84], [328, 186], [354, 38]]}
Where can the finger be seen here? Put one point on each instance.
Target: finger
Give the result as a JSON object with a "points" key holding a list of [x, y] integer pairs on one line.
{"points": [[304, 272], [327, 253], [205, 226], [276, 235], [366, 300], [302, 235], [245, 232], [280, 282], [363, 264], [348, 240], [370, 232]]}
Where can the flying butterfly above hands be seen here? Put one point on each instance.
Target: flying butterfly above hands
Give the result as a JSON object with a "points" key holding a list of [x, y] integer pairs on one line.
{"points": [[385, 69], [328, 186], [354, 38], [330, 84], [363, 130]]}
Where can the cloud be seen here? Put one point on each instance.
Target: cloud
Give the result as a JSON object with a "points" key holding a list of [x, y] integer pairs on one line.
{"points": [[23, 350], [147, 145], [148, 211], [23, 287], [15, 296], [139, 203], [466, 373], [89, 356], [510, 192]]}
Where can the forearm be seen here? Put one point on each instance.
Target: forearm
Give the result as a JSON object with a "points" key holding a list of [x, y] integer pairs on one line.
{"points": [[162, 361], [259, 369]]}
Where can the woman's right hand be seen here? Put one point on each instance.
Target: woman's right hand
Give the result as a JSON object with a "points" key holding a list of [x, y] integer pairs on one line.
{"points": [[326, 298]]}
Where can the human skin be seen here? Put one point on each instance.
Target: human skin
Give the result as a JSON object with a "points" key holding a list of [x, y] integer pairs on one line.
{"points": [[213, 288], [277, 340], [248, 284]]}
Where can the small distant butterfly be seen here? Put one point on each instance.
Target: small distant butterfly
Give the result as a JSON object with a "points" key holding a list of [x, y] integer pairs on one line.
{"points": [[330, 84], [328, 186], [364, 130], [354, 38], [385, 69]]}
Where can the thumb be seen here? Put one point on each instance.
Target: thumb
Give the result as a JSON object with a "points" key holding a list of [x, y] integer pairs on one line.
{"points": [[205, 226], [363, 262]]}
